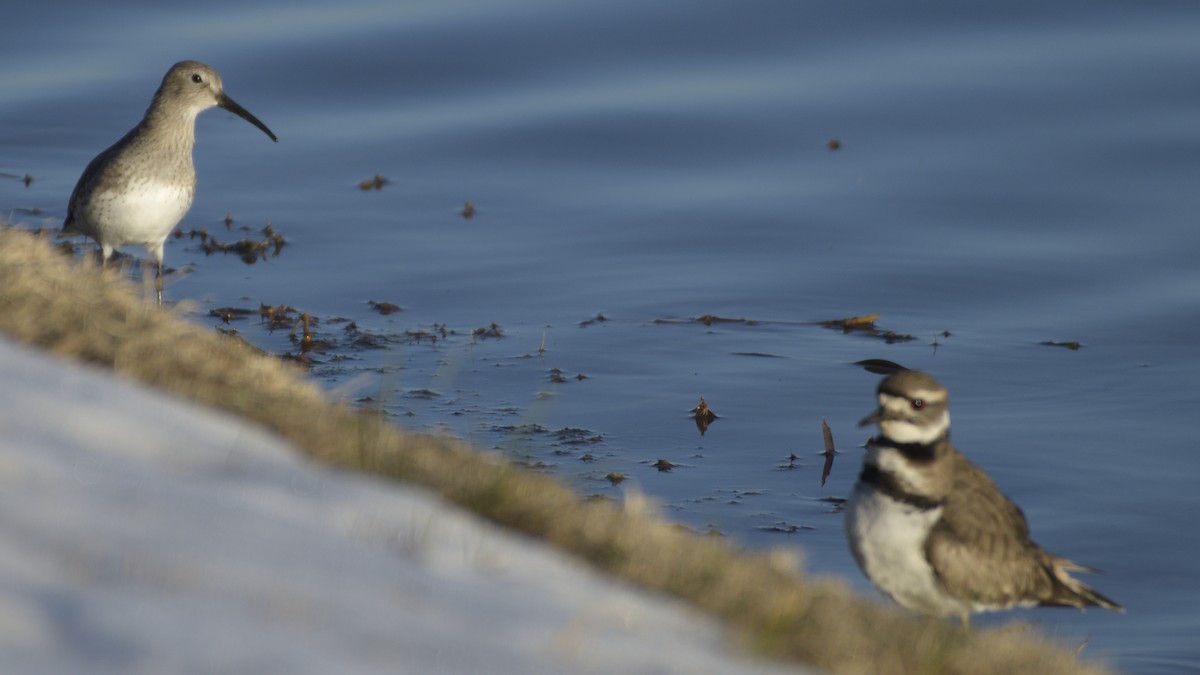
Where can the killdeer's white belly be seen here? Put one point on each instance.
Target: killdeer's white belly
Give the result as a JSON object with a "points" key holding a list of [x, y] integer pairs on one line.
{"points": [[887, 539]]}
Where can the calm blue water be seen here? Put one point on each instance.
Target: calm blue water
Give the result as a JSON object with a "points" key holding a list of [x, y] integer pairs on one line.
{"points": [[1010, 174]]}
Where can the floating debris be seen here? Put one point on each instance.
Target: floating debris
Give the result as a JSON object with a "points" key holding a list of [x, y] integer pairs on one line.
{"points": [[468, 211], [360, 339], [26, 179], [230, 314], [249, 250], [880, 366], [737, 494], [664, 466], [1072, 345], [790, 464], [587, 457], [827, 434], [522, 429], [865, 324], [703, 415], [421, 334], [375, 183], [363, 340], [278, 316], [557, 376], [616, 477], [193, 233], [709, 319], [539, 466], [574, 436], [491, 331], [229, 220], [599, 318], [935, 343], [784, 528], [834, 144], [384, 308], [836, 504]]}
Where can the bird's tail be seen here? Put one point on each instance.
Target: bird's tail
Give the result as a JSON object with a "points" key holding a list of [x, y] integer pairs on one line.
{"points": [[1072, 592], [68, 228]]}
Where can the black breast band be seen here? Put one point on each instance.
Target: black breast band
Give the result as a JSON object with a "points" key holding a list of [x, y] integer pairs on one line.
{"points": [[887, 484]]}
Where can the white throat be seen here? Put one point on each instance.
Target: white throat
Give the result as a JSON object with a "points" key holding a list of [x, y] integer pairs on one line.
{"points": [[905, 431]]}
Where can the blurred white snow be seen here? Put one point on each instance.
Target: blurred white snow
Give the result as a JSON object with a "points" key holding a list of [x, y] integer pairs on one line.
{"points": [[141, 534]]}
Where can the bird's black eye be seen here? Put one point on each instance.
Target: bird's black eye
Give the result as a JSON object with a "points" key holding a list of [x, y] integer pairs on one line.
{"points": [[196, 78], [918, 403]]}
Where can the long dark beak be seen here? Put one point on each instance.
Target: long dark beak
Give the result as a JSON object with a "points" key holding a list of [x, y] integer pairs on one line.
{"points": [[232, 106], [873, 418]]}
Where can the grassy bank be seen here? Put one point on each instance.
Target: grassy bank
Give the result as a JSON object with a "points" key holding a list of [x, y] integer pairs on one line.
{"points": [[82, 313]]}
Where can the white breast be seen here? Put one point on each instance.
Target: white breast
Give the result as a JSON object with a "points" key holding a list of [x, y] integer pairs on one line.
{"points": [[887, 539], [144, 215]]}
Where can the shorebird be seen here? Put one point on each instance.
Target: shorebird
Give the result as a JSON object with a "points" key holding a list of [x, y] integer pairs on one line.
{"points": [[931, 530], [138, 190]]}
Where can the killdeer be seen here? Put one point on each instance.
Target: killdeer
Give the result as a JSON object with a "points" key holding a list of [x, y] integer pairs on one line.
{"points": [[931, 530]]}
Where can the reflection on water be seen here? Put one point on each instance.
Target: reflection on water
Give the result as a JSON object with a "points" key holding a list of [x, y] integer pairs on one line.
{"points": [[1003, 179]]}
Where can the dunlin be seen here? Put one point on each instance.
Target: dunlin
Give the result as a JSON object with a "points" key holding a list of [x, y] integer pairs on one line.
{"points": [[138, 190]]}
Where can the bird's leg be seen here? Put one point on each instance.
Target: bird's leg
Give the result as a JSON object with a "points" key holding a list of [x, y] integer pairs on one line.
{"points": [[158, 281], [157, 252], [103, 254]]}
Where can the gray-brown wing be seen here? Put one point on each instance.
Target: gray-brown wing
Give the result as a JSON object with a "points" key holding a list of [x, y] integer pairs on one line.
{"points": [[981, 550], [86, 183]]}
